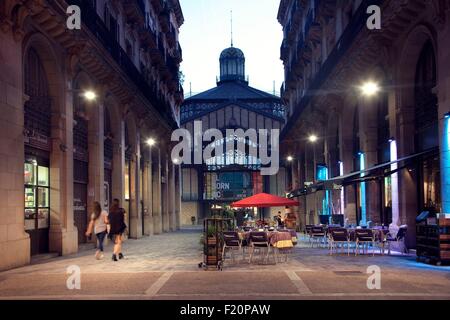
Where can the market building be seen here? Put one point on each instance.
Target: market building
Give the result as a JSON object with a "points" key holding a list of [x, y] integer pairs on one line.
{"points": [[233, 175], [368, 110], [85, 116]]}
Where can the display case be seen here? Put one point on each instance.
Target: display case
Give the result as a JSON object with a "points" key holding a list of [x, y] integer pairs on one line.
{"points": [[433, 240]]}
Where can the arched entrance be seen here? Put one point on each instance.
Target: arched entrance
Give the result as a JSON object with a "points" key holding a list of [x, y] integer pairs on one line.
{"points": [[427, 129], [37, 123]]}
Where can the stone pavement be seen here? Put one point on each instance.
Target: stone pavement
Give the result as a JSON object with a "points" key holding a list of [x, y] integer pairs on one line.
{"points": [[166, 267]]}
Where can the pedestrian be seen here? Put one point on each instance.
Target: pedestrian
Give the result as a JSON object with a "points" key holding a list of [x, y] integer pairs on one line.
{"points": [[118, 227], [99, 224], [279, 220]]}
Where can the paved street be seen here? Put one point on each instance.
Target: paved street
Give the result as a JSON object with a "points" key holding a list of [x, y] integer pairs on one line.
{"points": [[166, 267]]}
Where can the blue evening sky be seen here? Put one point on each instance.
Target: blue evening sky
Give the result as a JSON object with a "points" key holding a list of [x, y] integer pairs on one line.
{"points": [[206, 32]]}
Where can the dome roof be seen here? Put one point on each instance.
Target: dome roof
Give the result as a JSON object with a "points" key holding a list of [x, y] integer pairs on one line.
{"points": [[232, 52]]}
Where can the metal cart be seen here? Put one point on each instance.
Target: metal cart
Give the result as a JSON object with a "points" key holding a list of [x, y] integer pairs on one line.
{"points": [[213, 242]]}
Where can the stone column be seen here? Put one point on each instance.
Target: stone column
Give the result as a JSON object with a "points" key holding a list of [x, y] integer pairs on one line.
{"points": [[156, 195], [171, 194], [118, 166], [369, 143], [350, 193], [178, 197], [135, 194], [444, 109], [408, 195], [165, 194], [14, 241], [96, 156], [147, 194], [63, 236]]}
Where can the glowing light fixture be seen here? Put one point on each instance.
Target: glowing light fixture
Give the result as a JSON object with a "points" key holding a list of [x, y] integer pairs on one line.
{"points": [[290, 158], [370, 88], [90, 95], [313, 138], [151, 142]]}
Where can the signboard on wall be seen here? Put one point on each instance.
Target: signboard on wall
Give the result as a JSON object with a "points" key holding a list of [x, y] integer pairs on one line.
{"points": [[229, 186]]}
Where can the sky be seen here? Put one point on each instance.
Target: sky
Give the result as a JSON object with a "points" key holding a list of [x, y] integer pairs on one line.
{"points": [[207, 31]]}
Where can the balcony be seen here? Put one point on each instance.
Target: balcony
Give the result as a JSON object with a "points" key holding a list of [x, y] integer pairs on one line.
{"points": [[158, 5], [284, 50], [97, 27], [171, 37], [148, 37], [178, 53], [134, 10], [164, 19]]}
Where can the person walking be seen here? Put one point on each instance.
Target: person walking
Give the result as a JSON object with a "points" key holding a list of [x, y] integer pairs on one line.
{"points": [[118, 226], [99, 224]]}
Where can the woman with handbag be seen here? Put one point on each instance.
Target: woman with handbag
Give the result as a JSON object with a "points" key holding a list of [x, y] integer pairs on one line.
{"points": [[118, 227], [99, 224]]}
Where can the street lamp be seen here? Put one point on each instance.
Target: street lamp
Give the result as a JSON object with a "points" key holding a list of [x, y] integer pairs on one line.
{"points": [[370, 88], [290, 158], [313, 138], [151, 142], [90, 95]]}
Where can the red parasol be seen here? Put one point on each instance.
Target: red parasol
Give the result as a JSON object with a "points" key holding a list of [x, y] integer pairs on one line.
{"points": [[264, 200]]}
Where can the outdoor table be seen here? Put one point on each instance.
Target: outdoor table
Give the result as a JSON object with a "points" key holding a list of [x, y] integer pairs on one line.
{"points": [[281, 240]]}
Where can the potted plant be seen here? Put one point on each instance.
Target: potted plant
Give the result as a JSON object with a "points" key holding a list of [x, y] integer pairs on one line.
{"points": [[211, 234], [193, 220]]}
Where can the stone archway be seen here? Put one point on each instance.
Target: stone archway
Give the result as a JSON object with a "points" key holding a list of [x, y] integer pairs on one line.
{"points": [[406, 122], [62, 234]]}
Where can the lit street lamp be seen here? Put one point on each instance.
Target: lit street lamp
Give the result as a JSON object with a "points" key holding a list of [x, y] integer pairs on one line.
{"points": [[90, 95], [151, 142], [313, 138], [370, 89]]}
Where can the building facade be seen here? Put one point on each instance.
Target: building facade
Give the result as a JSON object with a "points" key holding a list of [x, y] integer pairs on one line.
{"points": [[233, 174], [368, 122], [78, 108]]}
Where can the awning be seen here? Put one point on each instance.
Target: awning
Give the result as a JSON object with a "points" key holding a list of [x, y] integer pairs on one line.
{"points": [[264, 200], [373, 173]]}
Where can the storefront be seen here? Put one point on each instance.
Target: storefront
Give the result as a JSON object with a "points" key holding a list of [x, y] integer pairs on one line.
{"points": [[37, 141], [37, 202]]}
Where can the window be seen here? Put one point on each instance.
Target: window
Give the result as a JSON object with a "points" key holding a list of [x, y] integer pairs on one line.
{"points": [[37, 195]]}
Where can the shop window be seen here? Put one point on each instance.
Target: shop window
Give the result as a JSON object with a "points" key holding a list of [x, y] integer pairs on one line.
{"points": [[37, 196]]}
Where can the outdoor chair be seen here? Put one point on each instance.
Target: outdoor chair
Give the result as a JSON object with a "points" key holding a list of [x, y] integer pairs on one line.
{"points": [[399, 240], [339, 236], [317, 235], [328, 232], [364, 238], [259, 241], [232, 243], [308, 229]]}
